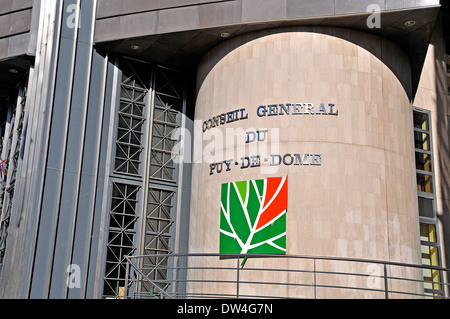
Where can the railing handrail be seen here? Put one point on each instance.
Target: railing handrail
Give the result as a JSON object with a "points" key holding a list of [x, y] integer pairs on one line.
{"points": [[426, 292], [331, 258], [148, 279]]}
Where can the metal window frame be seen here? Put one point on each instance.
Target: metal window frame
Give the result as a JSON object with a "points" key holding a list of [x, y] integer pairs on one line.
{"points": [[165, 109], [143, 127], [162, 184], [10, 146], [143, 179], [165, 233], [120, 232], [430, 152], [430, 220], [138, 180]]}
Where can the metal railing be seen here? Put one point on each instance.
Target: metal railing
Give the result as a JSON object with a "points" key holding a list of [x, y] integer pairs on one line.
{"points": [[278, 276]]}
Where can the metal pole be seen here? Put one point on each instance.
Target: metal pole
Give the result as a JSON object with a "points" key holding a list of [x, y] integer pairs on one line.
{"points": [[315, 294], [162, 291], [386, 290], [237, 281], [127, 270]]}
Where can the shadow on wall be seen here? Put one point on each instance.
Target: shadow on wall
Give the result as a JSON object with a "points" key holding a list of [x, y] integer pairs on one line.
{"points": [[376, 45], [443, 132]]}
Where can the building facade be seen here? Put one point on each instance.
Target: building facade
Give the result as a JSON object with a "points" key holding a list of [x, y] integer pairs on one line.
{"points": [[132, 129]]}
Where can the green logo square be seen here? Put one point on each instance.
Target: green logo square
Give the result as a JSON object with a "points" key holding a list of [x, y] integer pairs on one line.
{"points": [[253, 216]]}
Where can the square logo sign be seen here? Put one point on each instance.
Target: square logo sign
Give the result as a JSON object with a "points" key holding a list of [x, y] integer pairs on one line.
{"points": [[253, 216]]}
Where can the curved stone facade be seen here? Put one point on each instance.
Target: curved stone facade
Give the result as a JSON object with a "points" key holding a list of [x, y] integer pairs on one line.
{"points": [[348, 106]]}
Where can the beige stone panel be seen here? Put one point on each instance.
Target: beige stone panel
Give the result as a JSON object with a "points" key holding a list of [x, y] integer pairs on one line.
{"points": [[361, 202]]}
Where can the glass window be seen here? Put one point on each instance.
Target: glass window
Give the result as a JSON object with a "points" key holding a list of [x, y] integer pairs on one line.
{"points": [[157, 237], [153, 221], [424, 183], [426, 207], [168, 100], [421, 121], [427, 233], [424, 175], [430, 257], [422, 141], [431, 276], [131, 117], [122, 218], [423, 161]]}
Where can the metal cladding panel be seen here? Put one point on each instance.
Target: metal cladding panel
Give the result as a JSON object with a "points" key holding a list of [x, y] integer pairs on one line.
{"points": [[74, 152], [58, 213], [309, 8], [55, 164], [15, 25], [72, 170], [89, 172], [118, 7], [96, 257], [29, 185], [178, 36], [125, 19], [64, 234], [401, 4]]}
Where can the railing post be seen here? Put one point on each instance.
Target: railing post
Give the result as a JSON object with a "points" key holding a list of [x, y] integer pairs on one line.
{"points": [[237, 279], [315, 293], [386, 289], [162, 291], [127, 270]]}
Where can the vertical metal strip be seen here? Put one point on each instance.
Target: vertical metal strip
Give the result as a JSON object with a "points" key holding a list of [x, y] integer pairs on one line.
{"points": [[87, 47], [146, 169], [95, 268], [103, 229], [85, 266], [98, 143], [38, 110], [41, 281], [181, 163]]}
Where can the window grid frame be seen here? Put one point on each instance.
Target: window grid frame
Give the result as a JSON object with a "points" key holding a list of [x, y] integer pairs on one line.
{"points": [[119, 237], [132, 106], [423, 220], [144, 108], [164, 170]]}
